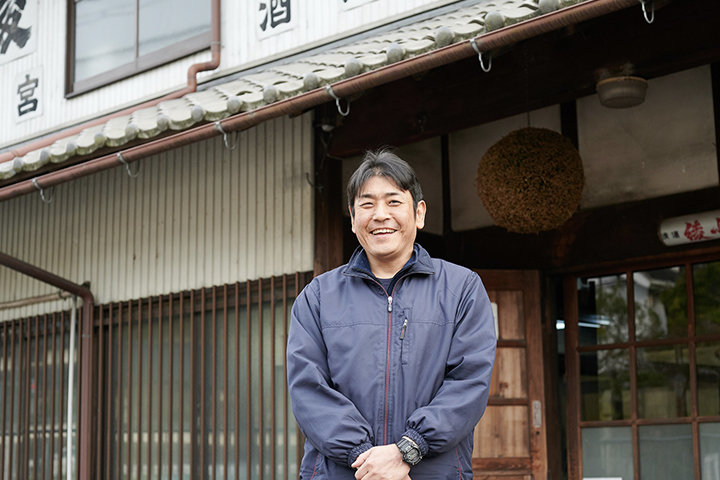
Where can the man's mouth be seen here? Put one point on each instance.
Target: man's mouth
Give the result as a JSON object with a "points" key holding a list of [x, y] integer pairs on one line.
{"points": [[381, 231]]}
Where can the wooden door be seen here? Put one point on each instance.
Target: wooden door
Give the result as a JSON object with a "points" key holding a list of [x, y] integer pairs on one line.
{"points": [[510, 440]]}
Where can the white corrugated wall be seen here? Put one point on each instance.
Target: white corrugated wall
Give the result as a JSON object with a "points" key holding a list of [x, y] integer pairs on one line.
{"points": [[194, 217]]}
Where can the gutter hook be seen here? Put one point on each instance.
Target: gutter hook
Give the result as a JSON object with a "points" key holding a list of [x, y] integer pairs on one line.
{"points": [[42, 192], [480, 57], [337, 102], [220, 129], [651, 19], [127, 166]]}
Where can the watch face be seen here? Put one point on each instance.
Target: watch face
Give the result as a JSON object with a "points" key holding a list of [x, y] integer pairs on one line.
{"points": [[410, 454]]}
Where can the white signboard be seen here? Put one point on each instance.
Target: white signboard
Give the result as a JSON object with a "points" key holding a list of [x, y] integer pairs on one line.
{"points": [[27, 94], [18, 28]]}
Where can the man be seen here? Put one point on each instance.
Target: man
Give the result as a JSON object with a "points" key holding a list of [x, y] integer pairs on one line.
{"points": [[389, 357]]}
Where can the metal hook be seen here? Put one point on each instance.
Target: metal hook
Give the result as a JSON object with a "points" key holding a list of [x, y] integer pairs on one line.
{"points": [[220, 129], [42, 192], [645, 13], [127, 166], [480, 57], [337, 102]]}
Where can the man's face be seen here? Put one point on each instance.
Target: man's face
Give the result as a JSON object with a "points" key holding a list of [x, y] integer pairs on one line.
{"points": [[385, 221]]}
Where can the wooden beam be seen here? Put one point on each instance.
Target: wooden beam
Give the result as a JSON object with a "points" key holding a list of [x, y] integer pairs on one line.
{"points": [[561, 67], [590, 238]]}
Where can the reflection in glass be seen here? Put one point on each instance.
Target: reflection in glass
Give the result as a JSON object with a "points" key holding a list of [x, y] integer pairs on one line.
{"points": [[666, 451], [706, 294], [104, 36], [710, 451], [707, 356], [663, 382], [605, 385], [602, 309], [607, 453], [660, 303], [164, 23]]}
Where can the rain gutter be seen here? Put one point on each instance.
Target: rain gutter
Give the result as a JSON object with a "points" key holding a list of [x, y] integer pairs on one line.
{"points": [[192, 83], [85, 349], [485, 43]]}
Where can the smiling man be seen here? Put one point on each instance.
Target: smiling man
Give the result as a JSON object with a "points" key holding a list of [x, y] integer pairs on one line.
{"points": [[390, 356]]}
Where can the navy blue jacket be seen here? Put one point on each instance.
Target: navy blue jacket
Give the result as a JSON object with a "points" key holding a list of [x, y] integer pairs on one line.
{"points": [[366, 366]]}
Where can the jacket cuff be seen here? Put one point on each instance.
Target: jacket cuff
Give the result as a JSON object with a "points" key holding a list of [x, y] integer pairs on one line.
{"points": [[357, 451], [417, 438]]}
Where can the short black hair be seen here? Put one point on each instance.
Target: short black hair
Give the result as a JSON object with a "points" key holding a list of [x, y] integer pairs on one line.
{"points": [[384, 163]]}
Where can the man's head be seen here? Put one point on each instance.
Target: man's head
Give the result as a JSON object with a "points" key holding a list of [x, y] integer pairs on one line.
{"points": [[387, 209], [384, 163]]}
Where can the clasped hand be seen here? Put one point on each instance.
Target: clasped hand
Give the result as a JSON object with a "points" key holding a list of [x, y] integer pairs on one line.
{"points": [[381, 463]]}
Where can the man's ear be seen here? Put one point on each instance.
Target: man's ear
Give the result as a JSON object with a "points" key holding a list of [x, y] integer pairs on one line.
{"points": [[352, 218], [420, 214]]}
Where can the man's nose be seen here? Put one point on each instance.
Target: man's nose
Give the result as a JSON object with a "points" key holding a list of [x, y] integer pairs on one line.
{"points": [[381, 212]]}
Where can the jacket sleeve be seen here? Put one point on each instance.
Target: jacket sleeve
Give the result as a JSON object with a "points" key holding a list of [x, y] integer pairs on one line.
{"points": [[461, 399], [328, 419]]}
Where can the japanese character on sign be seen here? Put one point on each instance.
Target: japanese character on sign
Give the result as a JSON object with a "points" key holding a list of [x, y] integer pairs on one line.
{"points": [[26, 90], [10, 13], [694, 231], [675, 234], [716, 231], [276, 12]]}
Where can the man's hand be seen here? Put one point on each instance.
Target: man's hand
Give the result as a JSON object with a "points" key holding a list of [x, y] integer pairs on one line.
{"points": [[381, 463]]}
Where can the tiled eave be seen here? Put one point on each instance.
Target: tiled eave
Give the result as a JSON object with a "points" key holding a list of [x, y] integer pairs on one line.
{"points": [[250, 92]]}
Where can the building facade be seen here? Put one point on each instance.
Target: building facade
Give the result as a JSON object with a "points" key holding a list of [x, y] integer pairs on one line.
{"points": [[185, 163]]}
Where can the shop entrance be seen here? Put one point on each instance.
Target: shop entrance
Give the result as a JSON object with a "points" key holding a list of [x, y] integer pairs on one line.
{"points": [[510, 440]]}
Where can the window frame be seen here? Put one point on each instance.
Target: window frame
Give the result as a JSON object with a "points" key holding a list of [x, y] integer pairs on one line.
{"points": [[140, 64], [573, 349]]}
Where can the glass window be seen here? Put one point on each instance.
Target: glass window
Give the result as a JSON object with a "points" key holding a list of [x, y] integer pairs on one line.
{"points": [[117, 38], [607, 453], [605, 385], [663, 382], [602, 304], [666, 451], [161, 27], [708, 377], [710, 451], [660, 304], [706, 295]]}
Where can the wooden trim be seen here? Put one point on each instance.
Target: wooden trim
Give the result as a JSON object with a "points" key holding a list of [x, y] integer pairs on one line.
{"points": [[572, 369], [536, 383], [550, 371], [507, 464], [505, 402]]}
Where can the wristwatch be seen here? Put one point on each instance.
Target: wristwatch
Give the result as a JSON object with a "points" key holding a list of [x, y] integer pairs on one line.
{"points": [[410, 451]]}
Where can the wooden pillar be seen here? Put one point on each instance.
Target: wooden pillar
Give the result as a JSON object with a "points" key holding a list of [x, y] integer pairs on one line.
{"points": [[329, 204]]}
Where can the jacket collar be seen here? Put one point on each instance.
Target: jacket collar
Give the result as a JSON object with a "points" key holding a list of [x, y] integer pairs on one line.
{"points": [[420, 262]]}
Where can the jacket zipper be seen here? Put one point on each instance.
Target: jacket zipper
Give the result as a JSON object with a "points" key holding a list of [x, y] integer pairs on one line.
{"points": [[387, 360]]}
